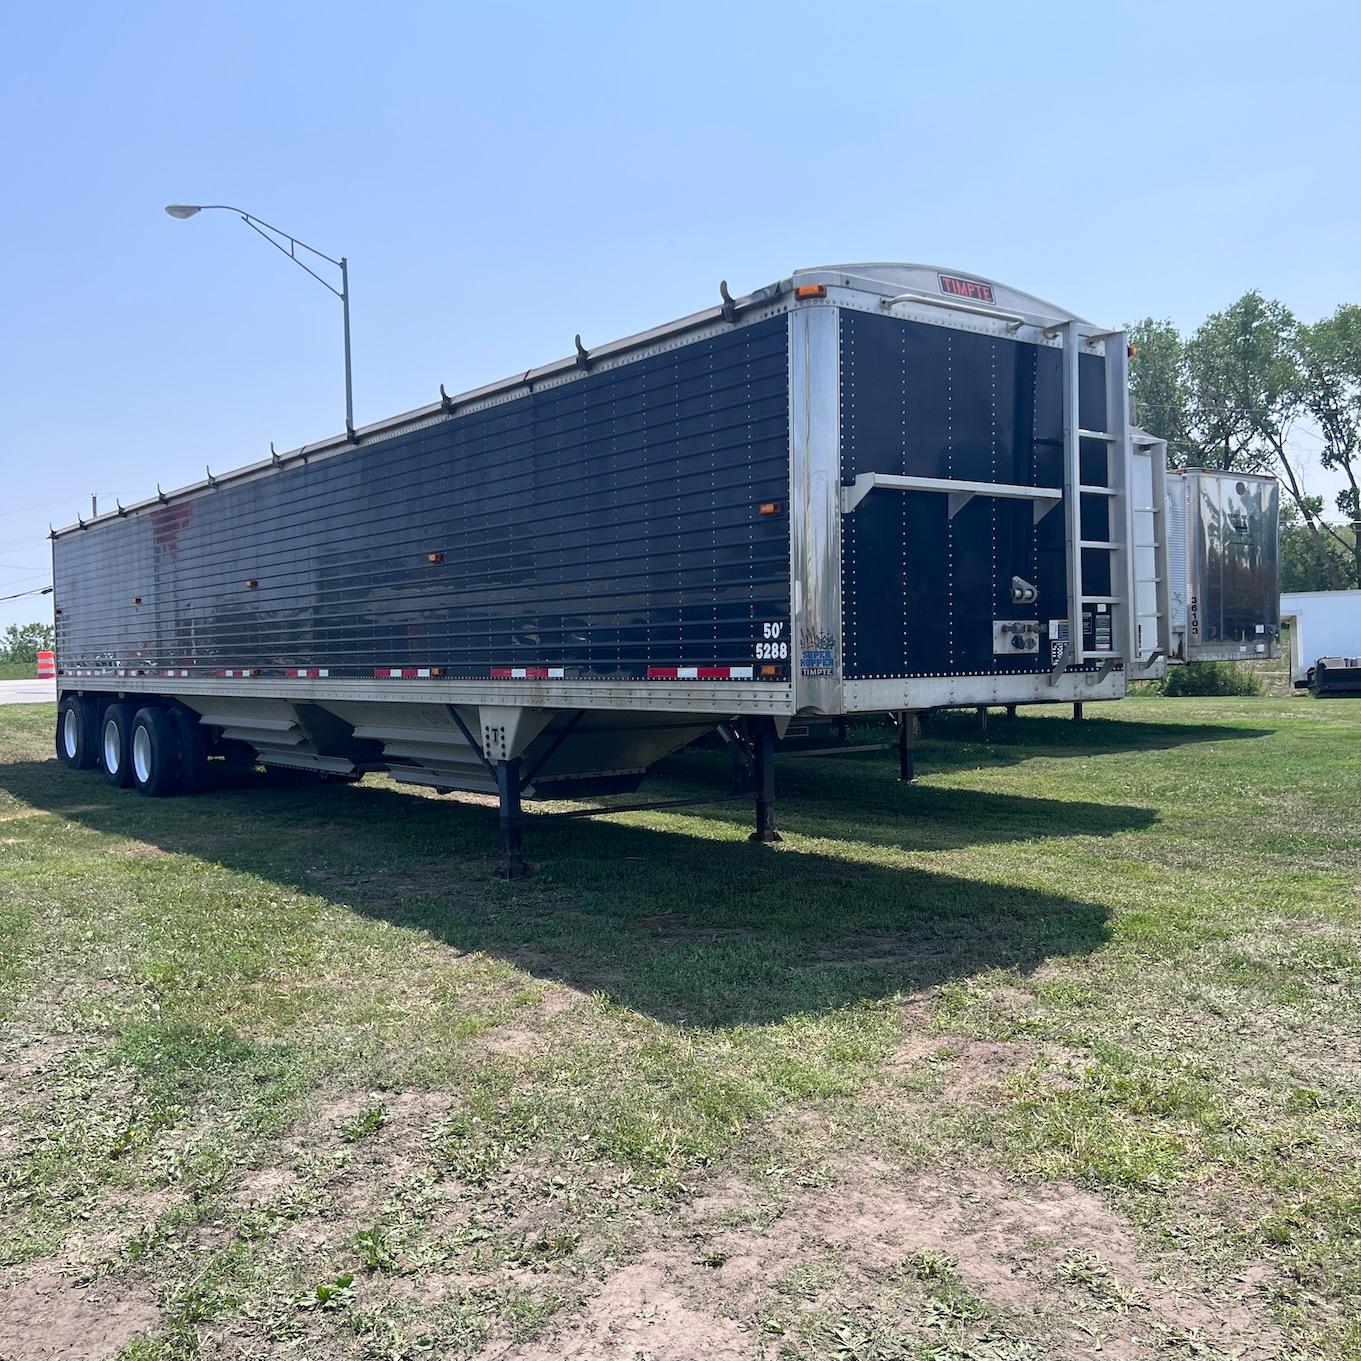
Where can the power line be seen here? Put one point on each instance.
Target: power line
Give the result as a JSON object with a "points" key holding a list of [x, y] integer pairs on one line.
{"points": [[42, 505], [37, 590]]}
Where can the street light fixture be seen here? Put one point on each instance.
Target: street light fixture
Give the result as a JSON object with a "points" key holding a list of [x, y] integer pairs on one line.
{"points": [[183, 211]]}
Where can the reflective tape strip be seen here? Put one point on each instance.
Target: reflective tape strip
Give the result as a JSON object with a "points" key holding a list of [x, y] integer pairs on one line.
{"points": [[406, 672], [527, 672], [309, 672], [700, 672], [175, 673], [235, 674]]}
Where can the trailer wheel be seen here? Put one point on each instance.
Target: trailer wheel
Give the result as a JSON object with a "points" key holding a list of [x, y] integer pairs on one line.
{"points": [[77, 744], [115, 746], [193, 751], [155, 750]]}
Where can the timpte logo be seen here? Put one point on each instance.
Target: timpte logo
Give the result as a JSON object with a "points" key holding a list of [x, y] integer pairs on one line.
{"points": [[817, 656], [965, 288]]}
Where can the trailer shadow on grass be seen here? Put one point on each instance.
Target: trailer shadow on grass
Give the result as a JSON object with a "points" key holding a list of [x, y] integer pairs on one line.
{"points": [[690, 924]]}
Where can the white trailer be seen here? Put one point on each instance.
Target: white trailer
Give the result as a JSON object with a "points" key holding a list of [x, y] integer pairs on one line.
{"points": [[1325, 640]]}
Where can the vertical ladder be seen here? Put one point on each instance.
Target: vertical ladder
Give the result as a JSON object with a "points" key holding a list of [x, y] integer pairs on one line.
{"points": [[1158, 459], [1155, 450], [1121, 605]]}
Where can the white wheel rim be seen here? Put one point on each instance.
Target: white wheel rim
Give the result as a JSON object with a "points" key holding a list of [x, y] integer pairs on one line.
{"points": [[70, 733], [113, 755], [141, 753]]}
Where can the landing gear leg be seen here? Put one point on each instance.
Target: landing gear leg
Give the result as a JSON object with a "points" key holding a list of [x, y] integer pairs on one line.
{"points": [[741, 765], [906, 723], [983, 719], [508, 788], [1077, 710], [763, 749], [1011, 711]]}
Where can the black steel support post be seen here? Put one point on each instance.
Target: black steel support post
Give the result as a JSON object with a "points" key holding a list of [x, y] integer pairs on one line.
{"points": [[906, 724], [1011, 711], [1077, 709], [508, 787], [763, 749]]}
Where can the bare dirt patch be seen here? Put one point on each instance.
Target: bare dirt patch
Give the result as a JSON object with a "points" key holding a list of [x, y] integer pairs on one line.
{"points": [[144, 851], [48, 1318], [674, 926], [971, 1066], [357, 1162], [1052, 1262], [639, 1312], [529, 1032]]}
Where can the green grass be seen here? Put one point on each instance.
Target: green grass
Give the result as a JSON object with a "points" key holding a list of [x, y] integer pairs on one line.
{"points": [[18, 670], [1072, 1020]]}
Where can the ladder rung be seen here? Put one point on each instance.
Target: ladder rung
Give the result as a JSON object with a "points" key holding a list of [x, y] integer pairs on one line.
{"points": [[1099, 543], [1096, 434], [1098, 491], [1103, 600]]}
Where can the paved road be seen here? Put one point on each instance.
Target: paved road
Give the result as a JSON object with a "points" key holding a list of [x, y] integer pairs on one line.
{"points": [[27, 691]]}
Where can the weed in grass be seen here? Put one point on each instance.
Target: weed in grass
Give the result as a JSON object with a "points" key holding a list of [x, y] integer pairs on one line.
{"points": [[336, 1294], [374, 1250], [365, 1123]]}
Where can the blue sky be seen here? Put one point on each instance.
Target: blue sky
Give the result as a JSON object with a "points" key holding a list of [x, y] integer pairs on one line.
{"points": [[502, 177]]}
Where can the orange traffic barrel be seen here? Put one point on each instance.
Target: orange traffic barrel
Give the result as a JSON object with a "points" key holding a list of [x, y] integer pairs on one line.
{"points": [[47, 666]]}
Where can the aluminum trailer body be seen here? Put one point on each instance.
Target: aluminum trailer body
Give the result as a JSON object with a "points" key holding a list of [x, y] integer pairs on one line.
{"points": [[863, 488], [1325, 640], [1222, 564]]}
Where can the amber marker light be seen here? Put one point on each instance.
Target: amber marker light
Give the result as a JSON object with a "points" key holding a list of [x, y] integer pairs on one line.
{"points": [[771, 507], [434, 557], [811, 291]]}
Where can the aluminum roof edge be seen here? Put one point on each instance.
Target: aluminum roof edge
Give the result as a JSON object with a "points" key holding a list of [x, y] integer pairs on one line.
{"points": [[873, 277], [883, 276]]}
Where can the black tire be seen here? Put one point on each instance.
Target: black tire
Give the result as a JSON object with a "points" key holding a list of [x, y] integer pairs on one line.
{"points": [[77, 743], [155, 751], [115, 746], [193, 750]]}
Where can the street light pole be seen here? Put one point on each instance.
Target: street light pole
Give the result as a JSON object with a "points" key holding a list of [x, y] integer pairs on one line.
{"points": [[345, 315], [183, 211]]}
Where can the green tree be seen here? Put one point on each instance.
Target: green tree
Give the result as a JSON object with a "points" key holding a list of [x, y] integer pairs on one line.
{"points": [[1301, 569], [1161, 388], [22, 642], [1330, 378]]}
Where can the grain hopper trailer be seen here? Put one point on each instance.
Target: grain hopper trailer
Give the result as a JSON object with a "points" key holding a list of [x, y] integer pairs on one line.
{"points": [[865, 488]]}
